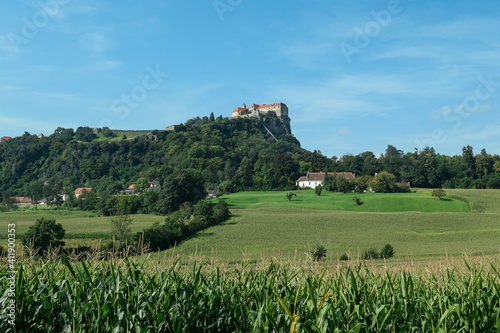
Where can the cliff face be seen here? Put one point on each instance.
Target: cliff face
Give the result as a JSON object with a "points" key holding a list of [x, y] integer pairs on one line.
{"points": [[277, 125]]}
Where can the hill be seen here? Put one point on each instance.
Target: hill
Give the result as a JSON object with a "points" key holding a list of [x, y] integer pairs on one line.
{"points": [[266, 227], [230, 154]]}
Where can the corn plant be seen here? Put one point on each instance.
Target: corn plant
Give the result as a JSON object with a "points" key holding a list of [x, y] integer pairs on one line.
{"points": [[122, 295]]}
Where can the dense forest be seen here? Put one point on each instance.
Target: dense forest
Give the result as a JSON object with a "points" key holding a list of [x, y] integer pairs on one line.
{"points": [[225, 155]]}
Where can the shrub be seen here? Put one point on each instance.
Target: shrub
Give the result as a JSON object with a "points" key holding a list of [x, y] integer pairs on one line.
{"points": [[344, 257], [290, 195], [357, 201], [387, 251], [221, 211], [318, 190], [439, 192], [44, 234], [319, 253], [370, 254]]}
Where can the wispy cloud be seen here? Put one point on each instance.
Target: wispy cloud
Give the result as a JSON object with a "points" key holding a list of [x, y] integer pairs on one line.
{"points": [[96, 42]]}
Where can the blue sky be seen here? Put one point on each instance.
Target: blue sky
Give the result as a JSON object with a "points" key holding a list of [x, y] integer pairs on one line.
{"points": [[356, 75]]}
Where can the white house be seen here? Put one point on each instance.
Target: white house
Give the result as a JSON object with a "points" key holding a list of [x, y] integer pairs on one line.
{"points": [[313, 179]]}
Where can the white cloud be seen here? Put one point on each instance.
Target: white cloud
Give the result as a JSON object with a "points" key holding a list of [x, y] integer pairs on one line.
{"points": [[95, 42]]}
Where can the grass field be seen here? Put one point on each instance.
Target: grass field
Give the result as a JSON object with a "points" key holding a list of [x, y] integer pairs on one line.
{"points": [[417, 225], [372, 202], [119, 136], [74, 222], [265, 223]]}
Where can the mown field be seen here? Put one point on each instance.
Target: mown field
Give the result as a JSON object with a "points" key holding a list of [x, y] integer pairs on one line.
{"points": [[371, 202], [79, 225], [266, 224]]}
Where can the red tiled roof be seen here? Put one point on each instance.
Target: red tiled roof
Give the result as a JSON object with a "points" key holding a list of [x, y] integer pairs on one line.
{"points": [[5, 138], [24, 200], [320, 176], [81, 189], [131, 187], [257, 106]]}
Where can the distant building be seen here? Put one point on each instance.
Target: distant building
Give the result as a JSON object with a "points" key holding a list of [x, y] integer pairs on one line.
{"points": [[210, 194], [81, 190], [130, 189], [313, 179], [154, 185], [254, 110], [22, 201], [41, 136], [5, 138]]}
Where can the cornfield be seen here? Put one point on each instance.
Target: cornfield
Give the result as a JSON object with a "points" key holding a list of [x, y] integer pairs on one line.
{"points": [[143, 296]]}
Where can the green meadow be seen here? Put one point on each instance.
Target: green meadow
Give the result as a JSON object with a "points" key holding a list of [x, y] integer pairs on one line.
{"points": [[417, 225], [266, 224]]}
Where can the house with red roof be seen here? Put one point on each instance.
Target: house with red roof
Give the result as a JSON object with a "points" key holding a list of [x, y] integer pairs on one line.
{"points": [[81, 190], [313, 179], [5, 138]]}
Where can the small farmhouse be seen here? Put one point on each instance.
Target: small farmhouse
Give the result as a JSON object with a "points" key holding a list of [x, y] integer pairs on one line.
{"points": [[79, 191], [5, 138], [313, 179], [154, 185]]}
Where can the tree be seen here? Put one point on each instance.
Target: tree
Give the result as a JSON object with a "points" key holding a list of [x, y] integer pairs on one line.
{"points": [[387, 251], [383, 182], [496, 167], [54, 194], [318, 190], [35, 192], [9, 202], [44, 234], [85, 134], [319, 253], [121, 227], [290, 195], [212, 117], [440, 193], [107, 132], [357, 201], [180, 188], [469, 160], [221, 211]]}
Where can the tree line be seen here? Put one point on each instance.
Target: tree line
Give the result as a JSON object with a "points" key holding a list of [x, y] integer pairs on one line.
{"points": [[225, 155]]}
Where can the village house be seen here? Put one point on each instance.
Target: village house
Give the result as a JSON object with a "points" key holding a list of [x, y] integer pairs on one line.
{"points": [[130, 189], [154, 185], [313, 179], [254, 110], [81, 190], [5, 138], [22, 201]]}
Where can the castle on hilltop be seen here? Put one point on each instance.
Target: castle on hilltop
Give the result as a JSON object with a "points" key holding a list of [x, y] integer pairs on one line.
{"points": [[277, 109]]}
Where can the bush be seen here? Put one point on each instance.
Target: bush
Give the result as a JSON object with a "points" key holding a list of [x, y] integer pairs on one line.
{"points": [[357, 201], [44, 234], [387, 251], [344, 257], [318, 190], [319, 253], [370, 254], [290, 195], [440, 193]]}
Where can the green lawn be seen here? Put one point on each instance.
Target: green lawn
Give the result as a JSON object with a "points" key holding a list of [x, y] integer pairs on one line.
{"points": [[372, 202]]}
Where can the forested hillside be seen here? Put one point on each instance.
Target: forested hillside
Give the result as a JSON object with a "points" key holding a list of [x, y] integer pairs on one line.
{"points": [[225, 154]]}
